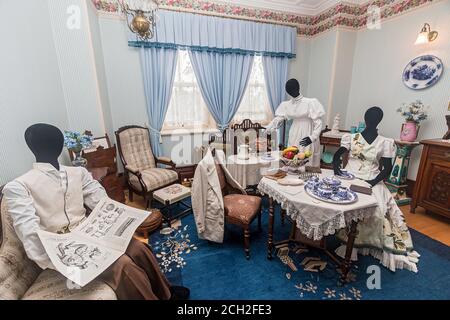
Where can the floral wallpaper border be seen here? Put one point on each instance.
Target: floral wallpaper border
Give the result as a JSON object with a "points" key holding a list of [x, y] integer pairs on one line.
{"points": [[343, 14]]}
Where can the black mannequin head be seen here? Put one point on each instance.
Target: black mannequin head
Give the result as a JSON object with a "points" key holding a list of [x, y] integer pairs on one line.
{"points": [[293, 88], [46, 142], [373, 117]]}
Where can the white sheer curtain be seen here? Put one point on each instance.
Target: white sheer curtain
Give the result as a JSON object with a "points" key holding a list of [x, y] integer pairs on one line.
{"points": [[255, 104], [187, 108]]}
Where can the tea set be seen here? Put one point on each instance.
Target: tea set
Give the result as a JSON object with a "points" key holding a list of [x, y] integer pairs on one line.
{"points": [[330, 189]]}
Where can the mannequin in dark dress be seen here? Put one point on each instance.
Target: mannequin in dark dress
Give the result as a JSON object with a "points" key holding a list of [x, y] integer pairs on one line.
{"points": [[372, 117], [136, 274]]}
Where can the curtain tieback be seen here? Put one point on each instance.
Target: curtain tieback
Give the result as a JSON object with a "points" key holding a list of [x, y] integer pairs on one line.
{"points": [[156, 132]]}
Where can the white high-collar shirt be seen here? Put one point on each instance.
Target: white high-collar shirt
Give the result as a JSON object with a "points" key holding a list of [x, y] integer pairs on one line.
{"points": [[22, 211]]}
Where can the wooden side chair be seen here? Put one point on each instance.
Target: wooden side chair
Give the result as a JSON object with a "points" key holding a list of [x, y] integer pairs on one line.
{"points": [[246, 129], [141, 167], [240, 209]]}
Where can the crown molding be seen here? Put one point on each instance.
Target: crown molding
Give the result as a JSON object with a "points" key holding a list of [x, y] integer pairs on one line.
{"points": [[329, 14]]}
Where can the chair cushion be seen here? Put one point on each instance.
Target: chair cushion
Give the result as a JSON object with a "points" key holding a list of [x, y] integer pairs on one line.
{"points": [[154, 178], [51, 285], [17, 272], [241, 208], [136, 150]]}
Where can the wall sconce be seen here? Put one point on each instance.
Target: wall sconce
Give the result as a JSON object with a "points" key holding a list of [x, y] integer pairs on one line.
{"points": [[140, 15], [426, 35]]}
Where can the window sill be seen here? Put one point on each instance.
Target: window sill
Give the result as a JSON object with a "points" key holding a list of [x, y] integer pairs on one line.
{"points": [[187, 131]]}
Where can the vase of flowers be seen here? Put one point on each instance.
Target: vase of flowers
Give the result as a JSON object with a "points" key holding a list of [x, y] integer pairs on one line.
{"points": [[413, 113], [76, 142]]}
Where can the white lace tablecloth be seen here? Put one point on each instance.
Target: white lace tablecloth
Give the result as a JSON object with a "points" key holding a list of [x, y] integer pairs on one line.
{"points": [[250, 172], [317, 219]]}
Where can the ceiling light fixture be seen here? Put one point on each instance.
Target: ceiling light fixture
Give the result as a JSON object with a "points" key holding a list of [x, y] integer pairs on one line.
{"points": [[140, 15]]}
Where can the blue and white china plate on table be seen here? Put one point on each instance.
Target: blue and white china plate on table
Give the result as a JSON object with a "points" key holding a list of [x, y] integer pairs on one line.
{"points": [[352, 197], [267, 157], [346, 175], [422, 72]]}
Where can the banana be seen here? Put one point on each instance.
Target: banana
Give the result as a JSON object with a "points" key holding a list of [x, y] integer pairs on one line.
{"points": [[293, 149]]}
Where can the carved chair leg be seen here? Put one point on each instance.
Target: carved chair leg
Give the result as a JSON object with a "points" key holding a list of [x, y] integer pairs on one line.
{"points": [[247, 242], [130, 194]]}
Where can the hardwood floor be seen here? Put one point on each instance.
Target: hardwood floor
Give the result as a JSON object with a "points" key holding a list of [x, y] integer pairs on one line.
{"points": [[430, 224]]}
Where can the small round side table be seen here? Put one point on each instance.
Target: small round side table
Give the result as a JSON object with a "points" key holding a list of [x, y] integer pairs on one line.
{"points": [[396, 182]]}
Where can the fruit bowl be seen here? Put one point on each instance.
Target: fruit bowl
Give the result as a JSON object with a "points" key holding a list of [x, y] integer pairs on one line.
{"points": [[294, 160]]}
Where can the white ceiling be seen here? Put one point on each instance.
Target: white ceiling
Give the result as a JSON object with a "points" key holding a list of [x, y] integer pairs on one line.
{"points": [[308, 7]]}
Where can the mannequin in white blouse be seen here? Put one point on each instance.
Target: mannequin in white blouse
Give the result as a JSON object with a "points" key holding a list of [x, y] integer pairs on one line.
{"points": [[384, 235], [306, 114]]}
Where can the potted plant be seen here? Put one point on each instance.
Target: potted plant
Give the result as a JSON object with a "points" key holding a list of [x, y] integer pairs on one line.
{"points": [[413, 113], [76, 142]]}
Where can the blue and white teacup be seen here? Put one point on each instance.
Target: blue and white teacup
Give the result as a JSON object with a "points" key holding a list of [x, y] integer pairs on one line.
{"points": [[324, 191], [342, 193]]}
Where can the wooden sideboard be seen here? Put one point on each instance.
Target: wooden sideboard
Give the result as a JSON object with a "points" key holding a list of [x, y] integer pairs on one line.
{"points": [[432, 188], [102, 163]]}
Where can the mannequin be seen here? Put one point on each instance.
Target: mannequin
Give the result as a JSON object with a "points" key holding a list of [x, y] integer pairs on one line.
{"points": [[34, 203], [307, 123], [372, 117], [383, 234]]}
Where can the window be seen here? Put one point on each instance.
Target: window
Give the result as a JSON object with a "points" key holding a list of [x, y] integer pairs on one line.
{"points": [[187, 108], [255, 103]]}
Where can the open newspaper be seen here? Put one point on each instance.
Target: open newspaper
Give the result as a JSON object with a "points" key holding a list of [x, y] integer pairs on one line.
{"points": [[96, 243]]}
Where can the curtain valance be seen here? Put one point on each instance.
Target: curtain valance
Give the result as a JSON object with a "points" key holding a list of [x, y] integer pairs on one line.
{"points": [[223, 35]]}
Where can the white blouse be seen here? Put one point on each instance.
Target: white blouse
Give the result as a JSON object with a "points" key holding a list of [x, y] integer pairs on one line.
{"points": [[364, 158]]}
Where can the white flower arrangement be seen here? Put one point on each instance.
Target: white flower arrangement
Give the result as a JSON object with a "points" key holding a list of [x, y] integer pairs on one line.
{"points": [[415, 111]]}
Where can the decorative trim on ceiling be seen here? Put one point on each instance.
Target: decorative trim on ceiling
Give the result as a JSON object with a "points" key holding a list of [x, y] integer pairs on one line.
{"points": [[344, 14]]}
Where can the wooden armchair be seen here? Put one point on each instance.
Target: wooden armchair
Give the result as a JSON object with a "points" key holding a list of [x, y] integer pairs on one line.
{"points": [[141, 167], [240, 209]]}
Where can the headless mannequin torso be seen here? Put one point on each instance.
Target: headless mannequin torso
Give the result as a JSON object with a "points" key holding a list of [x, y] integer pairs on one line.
{"points": [[293, 89], [372, 117], [46, 142]]}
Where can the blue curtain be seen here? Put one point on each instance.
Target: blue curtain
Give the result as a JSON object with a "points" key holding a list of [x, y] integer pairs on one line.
{"points": [[158, 69], [275, 73], [214, 34], [222, 79]]}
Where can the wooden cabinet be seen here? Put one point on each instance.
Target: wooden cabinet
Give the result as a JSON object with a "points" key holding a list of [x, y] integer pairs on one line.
{"points": [[331, 142], [102, 164], [432, 188], [186, 172]]}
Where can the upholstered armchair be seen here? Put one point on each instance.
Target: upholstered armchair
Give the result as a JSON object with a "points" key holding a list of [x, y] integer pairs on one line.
{"points": [[21, 278], [142, 173]]}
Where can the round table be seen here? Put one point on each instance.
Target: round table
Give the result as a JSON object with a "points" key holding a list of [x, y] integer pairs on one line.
{"points": [[249, 172]]}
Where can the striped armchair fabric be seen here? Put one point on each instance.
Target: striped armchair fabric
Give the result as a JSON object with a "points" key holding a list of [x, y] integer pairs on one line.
{"points": [[143, 175]]}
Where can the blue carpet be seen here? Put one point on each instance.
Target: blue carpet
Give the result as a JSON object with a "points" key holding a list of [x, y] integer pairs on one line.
{"points": [[220, 271]]}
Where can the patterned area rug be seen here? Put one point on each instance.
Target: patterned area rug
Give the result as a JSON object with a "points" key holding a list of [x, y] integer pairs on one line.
{"points": [[220, 271]]}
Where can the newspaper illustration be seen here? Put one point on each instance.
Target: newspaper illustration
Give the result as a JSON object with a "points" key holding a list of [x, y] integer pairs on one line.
{"points": [[96, 243]]}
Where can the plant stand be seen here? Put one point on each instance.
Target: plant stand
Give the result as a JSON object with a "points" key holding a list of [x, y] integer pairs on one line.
{"points": [[396, 182]]}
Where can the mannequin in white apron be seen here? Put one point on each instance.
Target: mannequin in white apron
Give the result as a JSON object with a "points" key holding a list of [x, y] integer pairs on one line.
{"points": [[306, 114]]}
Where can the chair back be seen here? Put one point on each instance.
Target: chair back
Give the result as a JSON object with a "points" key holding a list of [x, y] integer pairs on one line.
{"points": [[17, 271], [247, 132], [134, 147]]}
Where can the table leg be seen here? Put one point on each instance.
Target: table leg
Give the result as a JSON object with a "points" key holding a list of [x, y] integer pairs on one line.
{"points": [[345, 268], [270, 232]]}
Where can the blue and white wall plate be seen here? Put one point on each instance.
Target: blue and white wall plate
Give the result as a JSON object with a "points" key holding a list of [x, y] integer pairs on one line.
{"points": [[422, 72]]}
